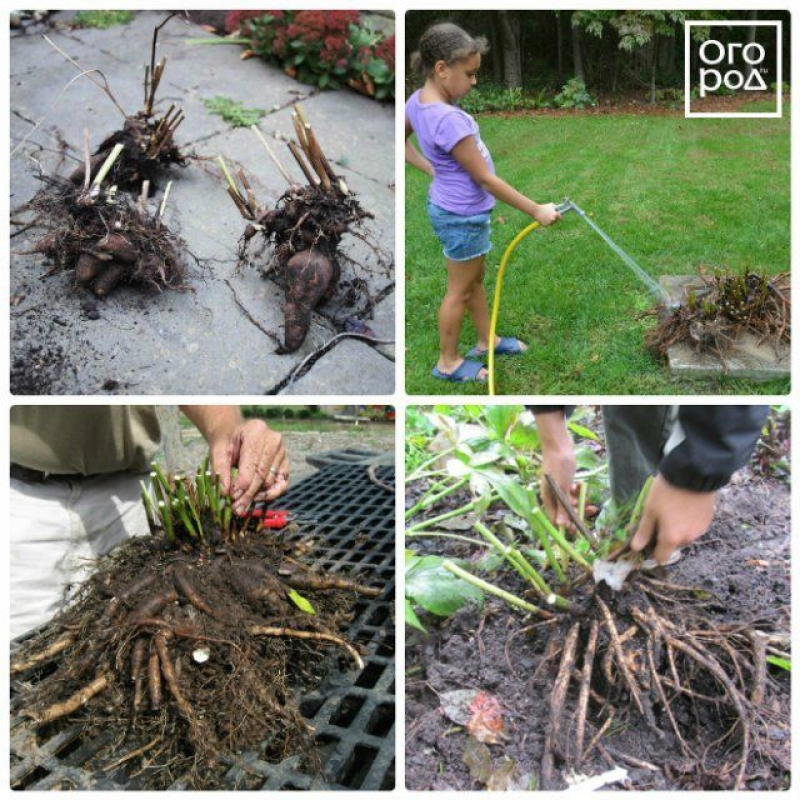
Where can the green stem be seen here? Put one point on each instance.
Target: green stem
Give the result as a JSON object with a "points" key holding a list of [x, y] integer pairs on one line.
{"points": [[149, 507], [228, 177], [187, 523], [582, 501], [560, 539], [166, 519], [107, 164], [426, 523], [640, 501], [490, 588], [426, 501], [523, 566], [544, 540], [413, 476]]}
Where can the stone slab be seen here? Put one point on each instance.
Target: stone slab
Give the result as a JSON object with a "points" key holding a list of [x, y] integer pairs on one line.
{"points": [[351, 367]]}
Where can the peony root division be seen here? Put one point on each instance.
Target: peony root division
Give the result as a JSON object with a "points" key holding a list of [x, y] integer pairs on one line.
{"points": [[304, 229]]}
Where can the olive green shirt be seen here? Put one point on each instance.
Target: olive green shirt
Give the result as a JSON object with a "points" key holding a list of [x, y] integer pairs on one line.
{"points": [[84, 440]]}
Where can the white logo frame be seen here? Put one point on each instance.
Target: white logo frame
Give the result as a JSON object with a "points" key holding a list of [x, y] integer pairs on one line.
{"points": [[687, 101]]}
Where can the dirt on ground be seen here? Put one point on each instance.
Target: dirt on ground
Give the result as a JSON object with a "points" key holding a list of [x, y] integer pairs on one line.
{"points": [[741, 565]]}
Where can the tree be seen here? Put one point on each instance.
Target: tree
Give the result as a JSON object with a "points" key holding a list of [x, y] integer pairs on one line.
{"points": [[577, 57], [512, 56], [637, 31]]}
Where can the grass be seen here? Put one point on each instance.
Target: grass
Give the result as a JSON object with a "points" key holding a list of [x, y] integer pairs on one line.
{"points": [[233, 112], [102, 19], [676, 194]]}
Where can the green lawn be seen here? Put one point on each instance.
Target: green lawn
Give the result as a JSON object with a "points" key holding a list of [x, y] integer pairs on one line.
{"points": [[676, 194]]}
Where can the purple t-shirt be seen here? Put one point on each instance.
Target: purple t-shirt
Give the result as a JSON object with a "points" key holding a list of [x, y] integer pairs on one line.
{"points": [[439, 128]]}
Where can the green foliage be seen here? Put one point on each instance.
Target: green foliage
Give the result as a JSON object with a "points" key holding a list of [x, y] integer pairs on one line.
{"points": [[574, 95], [430, 586], [233, 112], [325, 49], [190, 509], [786, 89], [493, 450], [102, 19], [489, 97], [634, 29], [301, 602]]}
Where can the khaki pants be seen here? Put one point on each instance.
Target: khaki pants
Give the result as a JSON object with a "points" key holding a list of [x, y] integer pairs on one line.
{"points": [[58, 529]]}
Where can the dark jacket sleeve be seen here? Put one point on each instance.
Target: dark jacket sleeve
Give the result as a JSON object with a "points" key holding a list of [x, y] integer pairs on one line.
{"points": [[717, 440]]}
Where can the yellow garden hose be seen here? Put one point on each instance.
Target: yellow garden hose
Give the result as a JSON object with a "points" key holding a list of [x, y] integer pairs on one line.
{"points": [[497, 291], [562, 209]]}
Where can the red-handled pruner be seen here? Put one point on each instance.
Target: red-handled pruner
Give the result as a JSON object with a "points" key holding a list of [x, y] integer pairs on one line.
{"points": [[270, 517]]}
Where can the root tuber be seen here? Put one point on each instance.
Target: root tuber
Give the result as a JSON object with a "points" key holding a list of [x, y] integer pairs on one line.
{"points": [[71, 704], [309, 275]]}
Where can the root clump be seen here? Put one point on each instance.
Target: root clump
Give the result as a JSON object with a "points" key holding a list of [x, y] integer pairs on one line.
{"points": [[714, 315], [303, 230], [198, 657], [106, 238], [650, 657]]}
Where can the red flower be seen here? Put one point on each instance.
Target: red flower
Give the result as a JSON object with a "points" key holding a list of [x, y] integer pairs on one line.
{"points": [[234, 20], [385, 50]]}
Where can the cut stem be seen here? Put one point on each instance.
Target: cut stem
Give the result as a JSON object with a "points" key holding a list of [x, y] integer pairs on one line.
{"points": [[271, 154], [428, 501], [107, 164]]}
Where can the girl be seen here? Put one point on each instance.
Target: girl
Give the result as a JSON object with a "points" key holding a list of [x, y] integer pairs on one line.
{"points": [[462, 193]]}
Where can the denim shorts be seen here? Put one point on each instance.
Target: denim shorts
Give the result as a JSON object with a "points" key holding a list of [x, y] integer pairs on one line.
{"points": [[462, 238]]}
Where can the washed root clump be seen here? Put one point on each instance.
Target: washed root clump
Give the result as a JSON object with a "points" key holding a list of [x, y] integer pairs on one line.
{"points": [[714, 315], [198, 656], [106, 237], [303, 231]]}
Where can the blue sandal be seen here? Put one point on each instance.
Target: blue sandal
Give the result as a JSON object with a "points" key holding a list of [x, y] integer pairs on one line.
{"points": [[507, 346], [467, 371]]}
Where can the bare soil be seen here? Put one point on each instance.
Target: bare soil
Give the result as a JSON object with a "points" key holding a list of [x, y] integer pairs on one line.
{"points": [[743, 565]]}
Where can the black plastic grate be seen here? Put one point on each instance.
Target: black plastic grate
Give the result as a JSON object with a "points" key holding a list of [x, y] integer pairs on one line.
{"points": [[349, 522]]}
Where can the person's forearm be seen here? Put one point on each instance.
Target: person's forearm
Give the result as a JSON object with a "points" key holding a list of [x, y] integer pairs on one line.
{"points": [[553, 432], [508, 194], [416, 159], [213, 421]]}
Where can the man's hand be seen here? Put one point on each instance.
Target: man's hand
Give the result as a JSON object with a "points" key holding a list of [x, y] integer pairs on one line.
{"points": [[674, 517], [260, 456], [558, 461], [252, 447]]}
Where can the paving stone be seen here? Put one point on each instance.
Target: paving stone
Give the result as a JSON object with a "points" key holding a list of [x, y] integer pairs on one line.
{"points": [[351, 367], [199, 341]]}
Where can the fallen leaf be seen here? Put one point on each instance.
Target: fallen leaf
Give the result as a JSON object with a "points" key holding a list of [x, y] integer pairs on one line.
{"points": [[479, 760], [457, 524], [486, 722], [506, 778], [757, 562], [456, 704]]}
